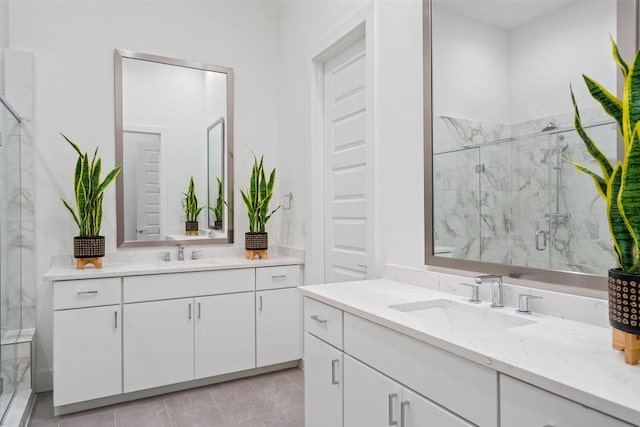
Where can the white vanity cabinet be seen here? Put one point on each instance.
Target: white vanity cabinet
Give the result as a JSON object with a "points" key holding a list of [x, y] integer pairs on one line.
{"points": [[323, 383], [372, 399], [141, 332], [523, 405], [158, 343], [224, 334], [278, 315], [87, 325]]}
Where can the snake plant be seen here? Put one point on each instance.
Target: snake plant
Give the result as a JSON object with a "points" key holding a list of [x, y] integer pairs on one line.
{"points": [[89, 191], [190, 203], [258, 196], [618, 184], [220, 202]]}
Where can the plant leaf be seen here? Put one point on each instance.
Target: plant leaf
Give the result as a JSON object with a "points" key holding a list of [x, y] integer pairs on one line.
{"points": [[618, 58], [629, 194], [73, 213], [610, 104], [601, 184], [73, 144], [623, 241], [631, 102], [591, 146]]}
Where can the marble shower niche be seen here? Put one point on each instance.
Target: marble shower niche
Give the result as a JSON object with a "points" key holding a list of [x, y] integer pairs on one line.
{"points": [[506, 194]]}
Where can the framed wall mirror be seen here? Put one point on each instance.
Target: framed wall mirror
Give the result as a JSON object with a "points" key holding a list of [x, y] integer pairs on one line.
{"points": [[500, 195], [174, 123]]}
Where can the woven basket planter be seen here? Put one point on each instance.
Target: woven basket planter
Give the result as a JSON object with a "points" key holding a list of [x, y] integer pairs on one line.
{"points": [[256, 241], [624, 301], [88, 247], [191, 228]]}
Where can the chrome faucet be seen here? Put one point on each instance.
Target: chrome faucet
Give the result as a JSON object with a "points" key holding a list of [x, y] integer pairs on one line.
{"points": [[180, 252], [497, 295]]}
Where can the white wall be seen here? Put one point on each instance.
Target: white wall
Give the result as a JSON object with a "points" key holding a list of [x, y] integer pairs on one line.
{"points": [[555, 50], [73, 43], [470, 69], [305, 29]]}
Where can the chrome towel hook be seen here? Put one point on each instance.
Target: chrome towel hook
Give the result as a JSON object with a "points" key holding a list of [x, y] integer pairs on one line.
{"points": [[290, 197]]}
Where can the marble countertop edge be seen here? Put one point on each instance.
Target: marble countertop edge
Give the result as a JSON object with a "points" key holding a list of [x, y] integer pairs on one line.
{"points": [[534, 369], [63, 272]]}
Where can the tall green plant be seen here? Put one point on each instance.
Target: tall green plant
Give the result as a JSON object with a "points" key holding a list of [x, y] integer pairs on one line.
{"points": [[258, 196], [220, 202], [190, 203], [619, 184], [89, 191]]}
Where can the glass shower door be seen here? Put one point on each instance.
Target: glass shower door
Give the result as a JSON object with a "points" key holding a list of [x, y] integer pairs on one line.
{"points": [[10, 255]]}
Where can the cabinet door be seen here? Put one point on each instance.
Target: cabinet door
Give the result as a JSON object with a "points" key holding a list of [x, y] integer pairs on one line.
{"points": [[225, 334], [370, 399], [87, 354], [416, 411], [523, 405], [278, 326], [323, 383], [158, 343]]}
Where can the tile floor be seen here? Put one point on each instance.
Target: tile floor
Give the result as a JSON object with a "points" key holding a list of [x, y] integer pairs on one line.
{"points": [[269, 400]]}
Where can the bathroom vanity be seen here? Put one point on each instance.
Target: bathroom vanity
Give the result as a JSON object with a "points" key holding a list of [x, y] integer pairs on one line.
{"points": [[381, 352], [133, 330]]}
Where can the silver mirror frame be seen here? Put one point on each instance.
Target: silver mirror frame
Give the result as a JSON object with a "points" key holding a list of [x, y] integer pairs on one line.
{"points": [[628, 16], [119, 54]]}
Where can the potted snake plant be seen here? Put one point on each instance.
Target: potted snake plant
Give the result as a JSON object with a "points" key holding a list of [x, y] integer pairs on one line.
{"points": [[89, 192], [257, 199], [191, 210], [619, 185], [217, 210]]}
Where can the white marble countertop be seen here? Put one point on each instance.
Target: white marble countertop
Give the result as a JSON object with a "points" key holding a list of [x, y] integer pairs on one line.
{"points": [[143, 267], [569, 358]]}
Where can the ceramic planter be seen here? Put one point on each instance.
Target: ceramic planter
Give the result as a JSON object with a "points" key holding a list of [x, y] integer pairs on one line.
{"points": [[88, 247], [191, 228], [256, 241], [624, 304]]}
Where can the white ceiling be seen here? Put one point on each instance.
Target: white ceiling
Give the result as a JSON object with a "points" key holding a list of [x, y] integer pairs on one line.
{"points": [[505, 14]]}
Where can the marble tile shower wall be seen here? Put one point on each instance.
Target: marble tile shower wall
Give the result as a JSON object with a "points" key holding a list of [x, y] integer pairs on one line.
{"points": [[496, 186]]}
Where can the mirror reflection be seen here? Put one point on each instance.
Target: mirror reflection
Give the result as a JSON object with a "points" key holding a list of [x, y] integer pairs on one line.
{"points": [[173, 130], [503, 127]]}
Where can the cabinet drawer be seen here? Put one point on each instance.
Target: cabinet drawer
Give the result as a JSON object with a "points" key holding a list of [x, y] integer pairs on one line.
{"points": [[184, 285], [323, 321], [86, 293], [521, 406], [286, 276], [466, 388]]}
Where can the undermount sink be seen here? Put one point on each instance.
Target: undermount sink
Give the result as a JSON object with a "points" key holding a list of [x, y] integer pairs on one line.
{"points": [[463, 317]]}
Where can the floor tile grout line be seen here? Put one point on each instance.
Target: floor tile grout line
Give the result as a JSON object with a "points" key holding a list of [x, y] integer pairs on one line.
{"points": [[166, 410], [215, 402], [271, 408]]}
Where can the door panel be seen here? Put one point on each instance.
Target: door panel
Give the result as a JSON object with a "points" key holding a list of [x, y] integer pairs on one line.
{"points": [[323, 383], [158, 343], [224, 334], [278, 326], [347, 227]]}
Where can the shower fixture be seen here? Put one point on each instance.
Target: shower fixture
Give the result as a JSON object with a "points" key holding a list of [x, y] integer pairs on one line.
{"points": [[549, 126]]}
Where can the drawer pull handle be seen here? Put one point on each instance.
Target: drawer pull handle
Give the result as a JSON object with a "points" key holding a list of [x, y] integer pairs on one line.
{"points": [[199, 311], [189, 311], [278, 276], [87, 293], [334, 364], [260, 299], [548, 425], [115, 318], [392, 397], [403, 409], [317, 319]]}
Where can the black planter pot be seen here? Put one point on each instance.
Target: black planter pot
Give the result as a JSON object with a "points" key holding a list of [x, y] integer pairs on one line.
{"points": [[624, 301], [217, 225], [88, 247], [191, 228], [256, 241]]}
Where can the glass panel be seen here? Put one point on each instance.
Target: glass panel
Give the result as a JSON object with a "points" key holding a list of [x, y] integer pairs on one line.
{"points": [[456, 196], [10, 254], [579, 237]]}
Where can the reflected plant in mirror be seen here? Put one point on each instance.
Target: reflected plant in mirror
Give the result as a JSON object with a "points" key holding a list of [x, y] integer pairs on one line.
{"points": [[191, 210], [218, 208], [501, 192], [174, 121]]}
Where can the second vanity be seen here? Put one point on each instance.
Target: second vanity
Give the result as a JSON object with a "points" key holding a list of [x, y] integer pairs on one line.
{"points": [[134, 330], [384, 353]]}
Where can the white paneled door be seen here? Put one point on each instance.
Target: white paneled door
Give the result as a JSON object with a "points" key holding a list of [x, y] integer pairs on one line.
{"points": [[147, 183], [348, 236]]}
